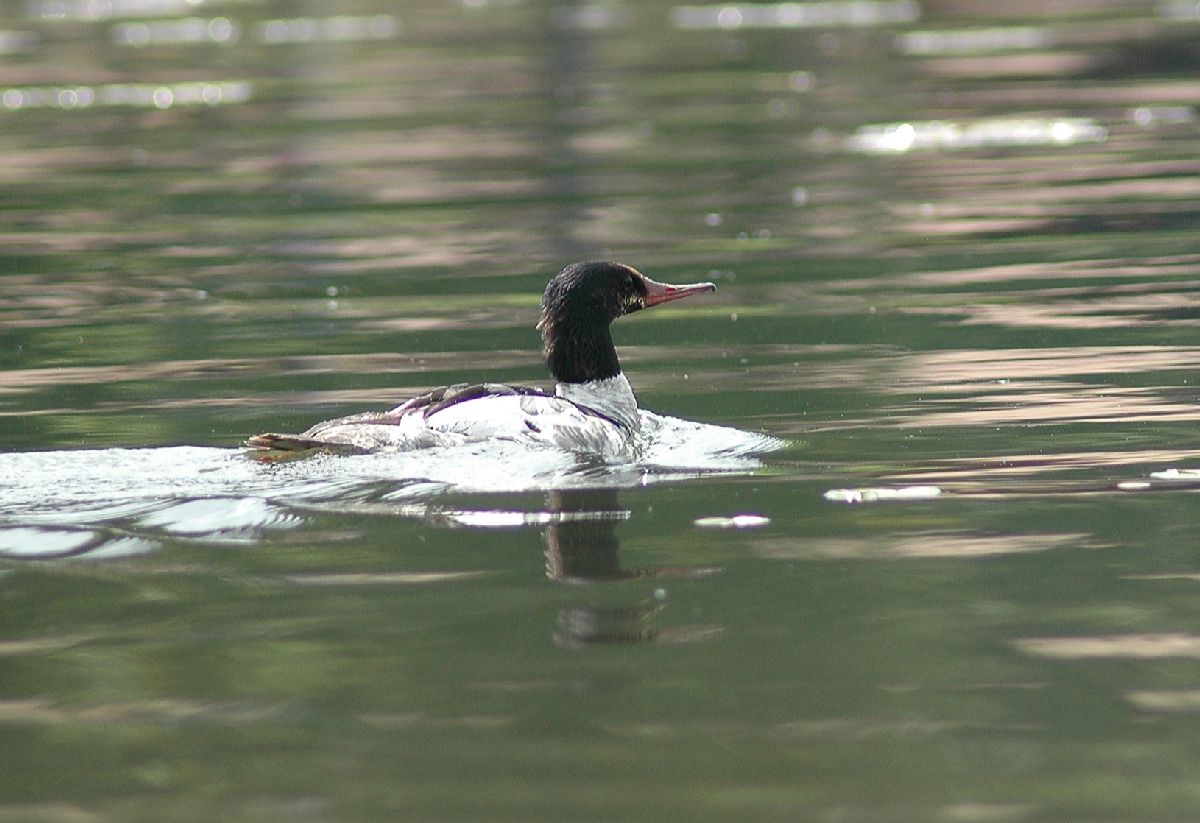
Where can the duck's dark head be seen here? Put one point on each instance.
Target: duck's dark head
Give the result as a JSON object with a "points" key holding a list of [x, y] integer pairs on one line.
{"points": [[579, 304]]}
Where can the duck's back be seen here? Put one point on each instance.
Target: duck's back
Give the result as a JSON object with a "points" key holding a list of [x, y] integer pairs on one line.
{"points": [[462, 414]]}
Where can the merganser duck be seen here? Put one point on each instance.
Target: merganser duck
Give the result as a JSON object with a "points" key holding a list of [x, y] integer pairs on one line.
{"points": [[592, 410]]}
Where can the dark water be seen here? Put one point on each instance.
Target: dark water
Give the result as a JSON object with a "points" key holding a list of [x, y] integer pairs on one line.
{"points": [[956, 245]]}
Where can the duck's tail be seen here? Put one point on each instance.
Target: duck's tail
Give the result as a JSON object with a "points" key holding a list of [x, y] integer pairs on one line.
{"points": [[272, 447]]}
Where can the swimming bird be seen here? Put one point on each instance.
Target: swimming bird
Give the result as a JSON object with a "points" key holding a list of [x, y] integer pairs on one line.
{"points": [[592, 409]]}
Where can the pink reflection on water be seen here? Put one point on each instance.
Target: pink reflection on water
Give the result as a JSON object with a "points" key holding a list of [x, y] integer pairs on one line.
{"points": [[916, 545], [1014, 387], [954, 370], [21, 380], [1113, 646], [1033, 408], [989, 468]]}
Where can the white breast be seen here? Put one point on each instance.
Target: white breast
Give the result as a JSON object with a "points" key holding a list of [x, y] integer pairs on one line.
{"points": [[612, 397], [547, 421]]}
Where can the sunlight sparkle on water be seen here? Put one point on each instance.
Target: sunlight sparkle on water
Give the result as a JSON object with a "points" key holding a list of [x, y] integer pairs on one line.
{"points": [[737, 521], [878, 495], [503, 518], [837, 13], [1150, 116], [973, 41], [339, 29], [190, 30], [992, 132], [105, 9], [138, 95], [590, 17]]}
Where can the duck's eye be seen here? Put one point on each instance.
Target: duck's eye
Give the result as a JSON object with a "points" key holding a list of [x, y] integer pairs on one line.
{"points": [[627, 282]]}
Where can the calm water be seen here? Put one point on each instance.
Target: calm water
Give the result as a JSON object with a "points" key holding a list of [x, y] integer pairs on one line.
{"points": [[956, 245]]}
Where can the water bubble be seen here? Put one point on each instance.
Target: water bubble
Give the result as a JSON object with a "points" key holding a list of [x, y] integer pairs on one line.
{"points": [[96, 9], [801, 81], [1147, 116], [781, 107], [132, 34], [273, 31], [729, 18], [822, 137], [223, 30]]}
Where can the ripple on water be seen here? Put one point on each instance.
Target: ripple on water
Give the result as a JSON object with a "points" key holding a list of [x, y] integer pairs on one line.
{"points": [[226, 518], [35, 541], [114, 501]]}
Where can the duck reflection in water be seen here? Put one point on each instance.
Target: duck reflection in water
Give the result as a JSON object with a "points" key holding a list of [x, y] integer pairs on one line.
{"points": [[582, 547]]}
